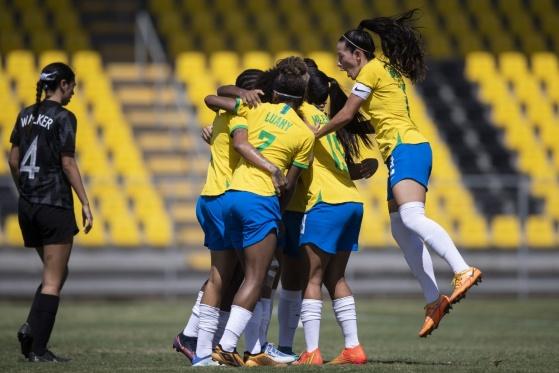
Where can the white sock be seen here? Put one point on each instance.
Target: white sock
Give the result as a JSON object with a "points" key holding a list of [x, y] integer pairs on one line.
{"points": [[413, 216], [417, 256], [209, 320], [252, 330], [223, 317], [191, 328], [289, 312], [265, 319], [238, 320], [311, 313], [344, 310]]}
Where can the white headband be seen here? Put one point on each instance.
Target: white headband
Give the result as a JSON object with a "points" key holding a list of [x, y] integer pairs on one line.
{"points": [[47, 77], [355, 45], [286, 95]]}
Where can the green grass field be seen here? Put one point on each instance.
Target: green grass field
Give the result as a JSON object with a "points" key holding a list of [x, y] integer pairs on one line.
{"points": [[135, 336]]}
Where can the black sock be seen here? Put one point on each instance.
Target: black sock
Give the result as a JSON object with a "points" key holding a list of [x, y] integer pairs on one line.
{"points": [[47, 306], [32, 317]]}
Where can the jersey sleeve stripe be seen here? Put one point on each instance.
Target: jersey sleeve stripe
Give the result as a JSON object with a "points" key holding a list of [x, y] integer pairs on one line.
{"points": [[300, 165], [236, 127]]}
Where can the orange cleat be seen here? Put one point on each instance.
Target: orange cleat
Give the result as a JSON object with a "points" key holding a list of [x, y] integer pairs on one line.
{"points": [[434, 312], [310, 358], [463, 281], [353, 355], [232, 359], [261, 359]]}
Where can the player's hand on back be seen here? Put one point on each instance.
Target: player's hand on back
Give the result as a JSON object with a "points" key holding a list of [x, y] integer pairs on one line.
{"points": [[206, 134], [279, 180], [252, 97], [87, 217]]}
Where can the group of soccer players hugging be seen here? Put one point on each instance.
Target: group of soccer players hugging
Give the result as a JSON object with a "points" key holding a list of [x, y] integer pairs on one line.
{"points": [[279, 201]]}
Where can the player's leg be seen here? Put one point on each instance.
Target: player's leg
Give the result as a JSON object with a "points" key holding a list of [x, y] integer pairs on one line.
{"points": [[267, 299], [223, 264], [185, 342], [257, 258], [343, 305], [410, 197], [55, 262], [311, 307], [292, 277], [290, 299], [227, 300]]}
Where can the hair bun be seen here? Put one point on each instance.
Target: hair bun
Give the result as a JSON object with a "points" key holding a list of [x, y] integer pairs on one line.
{"points": [[292, 66]]}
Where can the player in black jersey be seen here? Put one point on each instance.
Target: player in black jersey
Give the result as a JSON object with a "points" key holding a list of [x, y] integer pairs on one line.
{"points": [[45, 171]]}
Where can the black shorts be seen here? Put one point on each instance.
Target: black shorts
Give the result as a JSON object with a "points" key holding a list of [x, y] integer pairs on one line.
{"points": [[46, 225]]}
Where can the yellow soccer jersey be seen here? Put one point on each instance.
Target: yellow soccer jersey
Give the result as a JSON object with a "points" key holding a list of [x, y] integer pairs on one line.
{"points": [[328, 178], [223, 157], [384, 92], [280, 136]]}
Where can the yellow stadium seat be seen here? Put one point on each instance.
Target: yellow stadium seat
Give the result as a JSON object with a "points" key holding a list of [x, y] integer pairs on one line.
{"points": [[277, 42], [257, 60], [376, 233], [245, 42], [193, 6], [473, 232], [180, 43], [20, 62], [287, 6], [10, 40], [124, 232], [540, 232], [438, 46], [501, 42], [233, 21], [202, 22], [326, 62], [224, 66], [87, 63], [479, 65], [513, 65], [157, 231], [190, 64], [170, 23], [505, 231], [309, 42], [48, 57], [161, 6], [190, 236], [489, 23], [13, 232], [544, 65]]}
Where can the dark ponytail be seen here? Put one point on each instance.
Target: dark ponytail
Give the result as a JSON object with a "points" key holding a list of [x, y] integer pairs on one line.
{"points": [[49, 80], [320, 87], [357, 129], [401, 42]]}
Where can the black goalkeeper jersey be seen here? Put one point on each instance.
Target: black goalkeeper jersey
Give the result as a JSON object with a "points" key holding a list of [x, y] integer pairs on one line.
{"points": [[41, 142]]}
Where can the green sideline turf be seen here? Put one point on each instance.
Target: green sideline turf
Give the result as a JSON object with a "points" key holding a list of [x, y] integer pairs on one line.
{"points": [[135, 336]]}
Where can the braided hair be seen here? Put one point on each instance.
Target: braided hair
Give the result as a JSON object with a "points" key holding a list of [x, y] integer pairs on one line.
{"points": [[248, 78]]}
